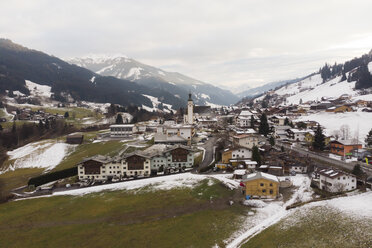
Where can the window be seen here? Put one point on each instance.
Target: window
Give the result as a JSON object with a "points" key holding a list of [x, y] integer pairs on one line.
{"points": [[146, 167], [81, 172], [271, 191], [352, 180], [271, 184], [261, 184], [264, 191]]}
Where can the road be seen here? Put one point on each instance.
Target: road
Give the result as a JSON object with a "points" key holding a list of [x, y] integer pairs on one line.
{"points": [[209, 152], [325, 159]]}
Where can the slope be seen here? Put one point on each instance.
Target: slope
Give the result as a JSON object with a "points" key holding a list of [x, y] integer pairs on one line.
{"points": [[18, 64]]}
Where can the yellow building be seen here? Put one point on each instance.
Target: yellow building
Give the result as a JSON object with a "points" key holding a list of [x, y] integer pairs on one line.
{"points": [[260, 185], [226, 156]]}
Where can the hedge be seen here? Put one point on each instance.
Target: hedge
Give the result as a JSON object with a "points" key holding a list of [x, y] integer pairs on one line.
{"points": [[53, 176]]}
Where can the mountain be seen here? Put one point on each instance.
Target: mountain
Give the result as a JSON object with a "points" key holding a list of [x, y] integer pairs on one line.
{"points": [[251, 92], [352, 78], [18, 64], [122, 67]]}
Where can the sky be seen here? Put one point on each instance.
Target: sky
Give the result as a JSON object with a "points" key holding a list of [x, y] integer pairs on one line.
{"points": [[232, 44]]}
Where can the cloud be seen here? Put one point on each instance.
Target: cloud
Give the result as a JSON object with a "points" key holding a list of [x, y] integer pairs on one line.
{"points": [[231, 43]]}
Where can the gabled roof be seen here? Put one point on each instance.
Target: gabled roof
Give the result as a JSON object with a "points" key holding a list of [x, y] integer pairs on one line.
{"points": [[99, 158], [260, 175], [349, 142]]}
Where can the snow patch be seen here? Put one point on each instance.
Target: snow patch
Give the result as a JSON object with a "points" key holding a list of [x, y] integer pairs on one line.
{"points": [[134, 72], [44, 154], [38, 89]]}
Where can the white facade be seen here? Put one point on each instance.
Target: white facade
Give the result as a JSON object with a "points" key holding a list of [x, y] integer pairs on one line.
{"points": [[190, 111], [182, 131], [336, 181], [241, 153], [121, 130], [246, 140]]}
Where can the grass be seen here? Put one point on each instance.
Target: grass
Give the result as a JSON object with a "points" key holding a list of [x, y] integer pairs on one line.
{"points": [[316, 227], [110, 148], [17, 178], [142, 218]]}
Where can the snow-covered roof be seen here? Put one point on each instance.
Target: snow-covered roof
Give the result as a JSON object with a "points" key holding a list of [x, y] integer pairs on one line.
{"points": [[239, 172], [260, 175]]}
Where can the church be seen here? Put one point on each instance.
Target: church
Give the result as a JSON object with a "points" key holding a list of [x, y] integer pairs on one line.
{"points": [[196, 114]]}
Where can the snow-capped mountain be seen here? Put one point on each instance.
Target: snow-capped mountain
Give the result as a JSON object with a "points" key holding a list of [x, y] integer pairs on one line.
{"points": [[179, 85]]}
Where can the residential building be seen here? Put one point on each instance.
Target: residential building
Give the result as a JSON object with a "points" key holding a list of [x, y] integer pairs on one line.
{"points": [[121, 130], [280, 132], [136, 164], [99, 168], [236, 153], [261, 185], [344, 147], [246, 140], [336, 181]]}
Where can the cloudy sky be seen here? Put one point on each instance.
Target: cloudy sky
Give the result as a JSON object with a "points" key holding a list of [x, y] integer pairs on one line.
{"points": [[233, 44]]}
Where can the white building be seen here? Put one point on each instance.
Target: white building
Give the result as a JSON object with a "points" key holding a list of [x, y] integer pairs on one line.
{"points": [[336, 181], [246, 140], [121, 130]]}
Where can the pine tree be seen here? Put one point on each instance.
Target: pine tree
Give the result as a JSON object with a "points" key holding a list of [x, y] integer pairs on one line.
{"points": [[343, 78], [46, 124], [66, 115], [286, 122], [272, 141], [368, 139], [256, 155], [119, 119], [318, 143], [264, 125]]}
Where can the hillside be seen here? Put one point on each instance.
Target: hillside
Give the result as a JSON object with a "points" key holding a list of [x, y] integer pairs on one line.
{"points": [[18, 64], [251, 92], [122, 67], [353, 78]]}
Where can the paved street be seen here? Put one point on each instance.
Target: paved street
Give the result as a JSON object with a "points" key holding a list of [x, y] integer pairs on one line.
{"points": [[209, 152]]}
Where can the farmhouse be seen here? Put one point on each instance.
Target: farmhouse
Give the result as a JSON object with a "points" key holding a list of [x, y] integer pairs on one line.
{"points": [[136, 164], [260, 185]]}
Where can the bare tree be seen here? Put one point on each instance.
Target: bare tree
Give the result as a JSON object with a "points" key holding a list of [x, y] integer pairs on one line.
{"points": [[345, 131]]}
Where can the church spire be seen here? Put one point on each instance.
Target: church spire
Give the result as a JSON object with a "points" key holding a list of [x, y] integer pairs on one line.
{"points": [[190, 99]]}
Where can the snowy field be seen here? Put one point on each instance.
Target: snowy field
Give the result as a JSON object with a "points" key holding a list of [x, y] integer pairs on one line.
{"points": [[358, 122], [45, 154]]}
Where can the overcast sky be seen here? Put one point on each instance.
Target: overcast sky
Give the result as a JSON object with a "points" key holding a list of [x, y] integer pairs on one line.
{"points": [[227, 43]]}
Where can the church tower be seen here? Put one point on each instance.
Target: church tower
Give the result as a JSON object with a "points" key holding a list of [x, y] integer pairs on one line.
{"points": [[190, 110]]}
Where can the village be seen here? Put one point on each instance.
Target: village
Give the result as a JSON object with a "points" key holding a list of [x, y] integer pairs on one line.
{"points": [[259, 148]]}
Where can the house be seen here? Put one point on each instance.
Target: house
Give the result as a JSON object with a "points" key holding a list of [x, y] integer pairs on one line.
{"points": [[296, 134], [236, 153], [99, 168], [74, 139], [160, 138], [136, 164], [344, 147], [298, 168], [246, 140], [280, 132], [174, 158], [121, 130], [278, 120], [260, 185], [238, 174], [340, 109], [332, 180]]}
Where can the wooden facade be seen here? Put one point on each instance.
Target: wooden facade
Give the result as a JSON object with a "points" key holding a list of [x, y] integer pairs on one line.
{"points": [[136, 162], [179, 155], [92, 167]]}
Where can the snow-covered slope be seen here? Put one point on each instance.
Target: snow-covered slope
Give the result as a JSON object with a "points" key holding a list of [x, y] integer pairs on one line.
{"points": [[123, 67]]}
